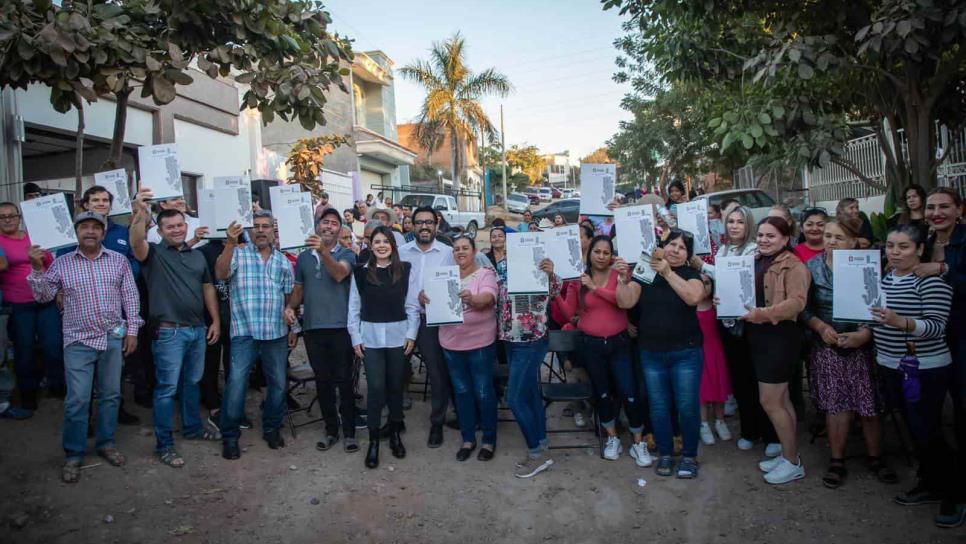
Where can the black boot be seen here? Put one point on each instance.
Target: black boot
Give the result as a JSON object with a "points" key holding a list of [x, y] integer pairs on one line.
{"points": [[372, 456], [395, 441], [28, 400]]}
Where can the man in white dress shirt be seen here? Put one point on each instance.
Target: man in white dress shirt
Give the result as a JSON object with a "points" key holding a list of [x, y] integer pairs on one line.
{"points": [[425, 252]]}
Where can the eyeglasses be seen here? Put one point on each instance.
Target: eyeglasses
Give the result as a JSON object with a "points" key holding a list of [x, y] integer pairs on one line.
{"points": [[9, 217], [423, 222]]}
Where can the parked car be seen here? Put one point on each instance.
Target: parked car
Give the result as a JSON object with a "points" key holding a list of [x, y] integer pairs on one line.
{"points": [[546, 195], [757, 200], [555, 193], [533, 194], [517, 202], [569, 208], [469, 222], [567, 193]]}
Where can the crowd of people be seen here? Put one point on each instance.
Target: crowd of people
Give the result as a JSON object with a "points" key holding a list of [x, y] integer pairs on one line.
{"points": [[183, 309]]}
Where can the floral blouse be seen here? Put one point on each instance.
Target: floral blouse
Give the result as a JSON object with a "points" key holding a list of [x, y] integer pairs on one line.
{"points": [[523, 318]]}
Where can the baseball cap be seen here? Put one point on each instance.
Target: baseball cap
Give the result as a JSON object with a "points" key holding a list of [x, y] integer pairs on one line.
{"points": [[85, 216]]}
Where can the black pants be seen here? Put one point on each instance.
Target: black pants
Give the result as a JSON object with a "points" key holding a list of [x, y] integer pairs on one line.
{"points": [[608, 363], [957, 345], [140, 364], [217, 355], [330, 354], [924, 420], [744, 383], [384, 381], [428, 343]]}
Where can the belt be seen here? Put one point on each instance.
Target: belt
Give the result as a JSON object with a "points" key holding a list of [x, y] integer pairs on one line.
{"points": [[171, 325]]}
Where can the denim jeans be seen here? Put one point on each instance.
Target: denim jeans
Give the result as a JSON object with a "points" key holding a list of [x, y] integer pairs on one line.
{"points": [[674, 374], [523, 391], [472, 375], [30, 322], [274, 357], [179, 363], [604, 358], [82, 363], [7, 382]]}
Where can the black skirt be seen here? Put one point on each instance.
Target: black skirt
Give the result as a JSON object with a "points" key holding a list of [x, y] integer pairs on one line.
{"points": [[775, 350]]}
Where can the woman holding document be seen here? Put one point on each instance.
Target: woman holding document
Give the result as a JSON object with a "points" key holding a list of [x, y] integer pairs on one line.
{"points": [[781, 289], [383, 320], [841, 364], [470, 351]]}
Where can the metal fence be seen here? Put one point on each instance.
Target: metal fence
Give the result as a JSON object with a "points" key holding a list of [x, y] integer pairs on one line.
{"points": [[836, 182]]}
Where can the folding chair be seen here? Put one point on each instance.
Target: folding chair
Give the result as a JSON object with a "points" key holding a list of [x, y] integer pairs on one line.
{"points": [[573, 392], [299, 377], [559, 341], [421, 367]]}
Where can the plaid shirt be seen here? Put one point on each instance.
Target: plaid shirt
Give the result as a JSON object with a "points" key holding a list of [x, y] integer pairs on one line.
{"points": [[258, 291], [92, 307]]}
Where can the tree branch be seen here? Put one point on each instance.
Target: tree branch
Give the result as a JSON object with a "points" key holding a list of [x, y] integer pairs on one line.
{"points": [[853, 168]]}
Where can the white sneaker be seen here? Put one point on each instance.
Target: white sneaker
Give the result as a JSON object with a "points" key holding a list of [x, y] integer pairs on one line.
{"points": [[745, 444], [773, 450], [579, 420], [640, 454], [785, 472], [770, 464], [613, 448], [706, 435], [731, 406], [721, 428]]}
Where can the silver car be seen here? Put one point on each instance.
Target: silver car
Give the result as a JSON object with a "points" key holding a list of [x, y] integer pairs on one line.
{"points": [[757, 200], [517, 202]]}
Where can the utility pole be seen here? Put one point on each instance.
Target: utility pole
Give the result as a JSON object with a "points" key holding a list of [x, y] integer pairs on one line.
{"points": [[503, 153]]}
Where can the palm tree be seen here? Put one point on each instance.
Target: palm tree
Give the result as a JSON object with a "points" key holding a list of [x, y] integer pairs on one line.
{"points": [[453, 94]]}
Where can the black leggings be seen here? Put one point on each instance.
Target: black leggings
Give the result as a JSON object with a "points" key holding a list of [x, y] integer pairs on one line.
{"points": [[384, 381]]}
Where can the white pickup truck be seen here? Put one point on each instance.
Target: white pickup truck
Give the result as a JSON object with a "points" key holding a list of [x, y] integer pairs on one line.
{"points": [[470, 222]]}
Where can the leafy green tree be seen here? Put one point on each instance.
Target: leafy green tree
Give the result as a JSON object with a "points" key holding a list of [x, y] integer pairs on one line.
{"points": [[526, 160], [282, 49], [800, 72], [452, 104], [307, 158]]}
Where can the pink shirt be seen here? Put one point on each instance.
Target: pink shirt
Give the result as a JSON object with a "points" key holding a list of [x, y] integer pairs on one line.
{"points": [[806, 253], [13, 281], [478, 328], [600, 315]]}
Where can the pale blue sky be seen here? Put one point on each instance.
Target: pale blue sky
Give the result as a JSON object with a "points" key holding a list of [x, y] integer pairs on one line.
{"points": [[557, 53]]}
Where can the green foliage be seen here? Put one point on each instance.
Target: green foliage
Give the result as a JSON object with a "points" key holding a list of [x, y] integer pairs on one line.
{"points": [[282, 49], [307, 158], [528, 161]]}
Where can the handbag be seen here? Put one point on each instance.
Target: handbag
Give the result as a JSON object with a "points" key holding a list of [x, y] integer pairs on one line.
{"points": [[909, 367]]}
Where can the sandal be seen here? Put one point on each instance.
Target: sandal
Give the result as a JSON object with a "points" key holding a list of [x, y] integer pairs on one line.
{"points": [[171, 458], [835, 474], [207, 433], [882, 472], [112, 456], [71, 472]]}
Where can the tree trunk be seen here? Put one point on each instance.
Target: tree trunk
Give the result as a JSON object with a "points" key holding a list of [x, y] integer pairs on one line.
{"points": [[120, 123], [455, 157], [79, 155]]}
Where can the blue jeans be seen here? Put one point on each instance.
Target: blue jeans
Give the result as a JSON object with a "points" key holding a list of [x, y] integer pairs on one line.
{"points": [[7, 382], [674, 374], [179, 363], [604, 358], [30, 322], [523, 391], [472, 375], [82, 363], [274, 356]]}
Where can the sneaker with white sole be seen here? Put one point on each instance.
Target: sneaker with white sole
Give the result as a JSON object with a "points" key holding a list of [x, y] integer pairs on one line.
{"points": [[770, 464], [706, 435], [579, 420], [773, 450], [745, 444], [785, 472], [613, 448], [533, 466], [640, 454], [722, 429]]}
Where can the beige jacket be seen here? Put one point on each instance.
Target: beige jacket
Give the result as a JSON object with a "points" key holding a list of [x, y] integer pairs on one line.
{"points": [[786, 291]]}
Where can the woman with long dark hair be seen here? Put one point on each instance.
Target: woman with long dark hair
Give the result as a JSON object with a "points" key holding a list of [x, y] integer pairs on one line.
{"points": [[383, 321], [771, 328], [813, 234], [913, 210], [605, 346], [670, 342]]}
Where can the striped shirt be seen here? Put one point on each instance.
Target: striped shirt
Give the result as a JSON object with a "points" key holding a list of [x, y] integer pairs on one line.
{"points": [[258, 292], [927, 302], [92, 307]]}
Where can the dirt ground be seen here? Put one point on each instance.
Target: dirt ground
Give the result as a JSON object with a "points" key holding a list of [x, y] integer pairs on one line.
{"points": [[298, 494]]}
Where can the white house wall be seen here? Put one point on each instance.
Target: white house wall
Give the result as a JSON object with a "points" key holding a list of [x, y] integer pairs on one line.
{"points": [[209, 153], [34, 106]]}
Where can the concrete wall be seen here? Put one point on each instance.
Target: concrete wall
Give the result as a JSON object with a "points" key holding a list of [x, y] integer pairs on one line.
{"points": [[34, 106]]}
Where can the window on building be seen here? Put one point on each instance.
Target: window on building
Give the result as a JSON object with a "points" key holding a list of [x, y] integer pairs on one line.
{"points": [[189, 186]]}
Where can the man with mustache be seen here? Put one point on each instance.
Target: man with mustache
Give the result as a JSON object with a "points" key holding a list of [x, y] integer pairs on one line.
{"points": [[99, 292], [261, 281], [423, 253], [180, 289], [322, 284]]}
